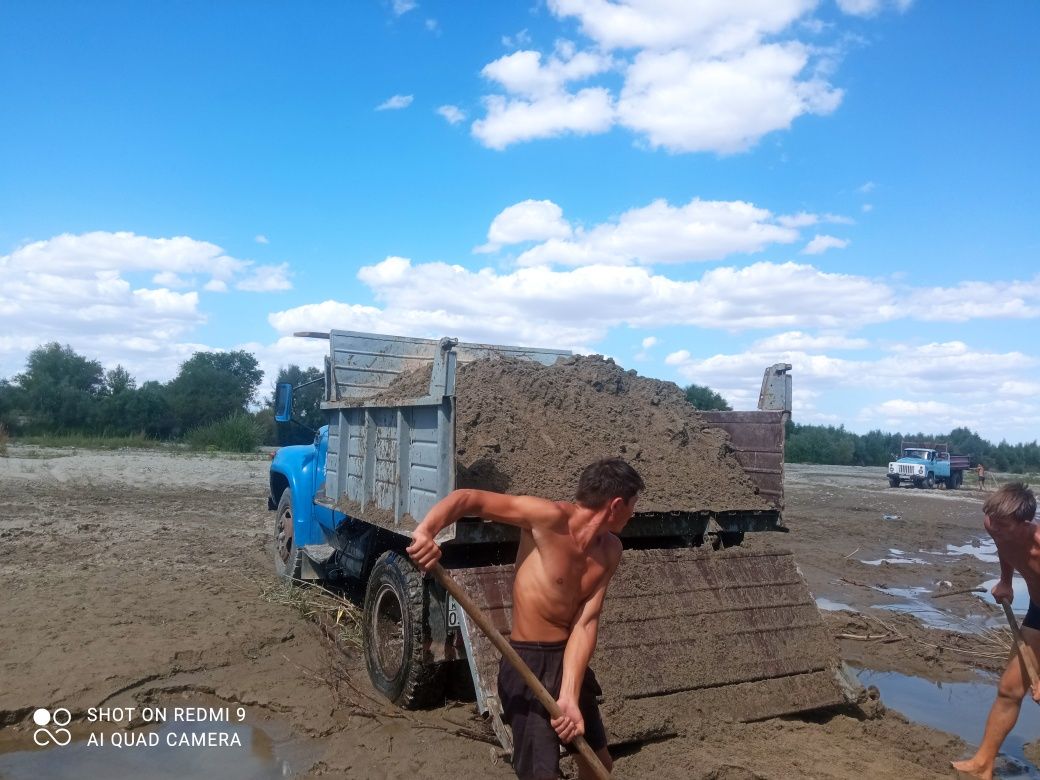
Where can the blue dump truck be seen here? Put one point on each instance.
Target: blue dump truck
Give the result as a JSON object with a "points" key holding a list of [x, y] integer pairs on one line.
{"points": [[927, 464], [693, 622]]}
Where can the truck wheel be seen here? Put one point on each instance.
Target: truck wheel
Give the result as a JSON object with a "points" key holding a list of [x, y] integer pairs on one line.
{"points": [[395, 633], [929, 481], [893, 481], [288, 558], [954, 481]]}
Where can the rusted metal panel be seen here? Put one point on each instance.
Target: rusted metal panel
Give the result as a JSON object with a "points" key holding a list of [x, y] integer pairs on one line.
{"points": [[734, 632], [757, 441]]}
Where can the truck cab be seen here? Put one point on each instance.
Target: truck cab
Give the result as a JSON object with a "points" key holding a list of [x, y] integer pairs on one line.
{"points": [[924, 467]]}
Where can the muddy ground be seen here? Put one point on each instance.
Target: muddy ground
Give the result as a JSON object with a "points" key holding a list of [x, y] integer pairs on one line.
{"points": [[136, 578]]}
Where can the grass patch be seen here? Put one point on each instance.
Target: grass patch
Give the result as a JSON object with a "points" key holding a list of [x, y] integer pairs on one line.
{"points": [[88, 441], [337, 616], [236, 433]]}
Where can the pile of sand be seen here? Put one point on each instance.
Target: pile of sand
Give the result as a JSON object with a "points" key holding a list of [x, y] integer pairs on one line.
{"points": [[526, 428]]}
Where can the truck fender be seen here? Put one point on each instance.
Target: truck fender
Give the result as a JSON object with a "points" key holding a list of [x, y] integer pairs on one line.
{"points": [[293, 467]]}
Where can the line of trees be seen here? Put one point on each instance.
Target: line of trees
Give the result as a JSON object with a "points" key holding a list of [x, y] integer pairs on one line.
{"points": [[62, 392]]}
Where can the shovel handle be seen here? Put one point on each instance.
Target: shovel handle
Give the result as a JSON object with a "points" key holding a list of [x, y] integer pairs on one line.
{"points": [[516, 662], [1025, 652]]}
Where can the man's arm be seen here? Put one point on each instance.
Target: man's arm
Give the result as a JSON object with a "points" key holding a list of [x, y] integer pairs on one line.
{"points": [[580, 646], [1004, 590], [523, 511]]}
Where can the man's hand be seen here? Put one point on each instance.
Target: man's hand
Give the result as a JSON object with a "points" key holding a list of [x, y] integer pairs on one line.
{"points": [[570, 724], [424, 551], [1036, 691], [1003, 591]]}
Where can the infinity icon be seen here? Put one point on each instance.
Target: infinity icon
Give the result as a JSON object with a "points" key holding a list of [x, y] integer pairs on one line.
{"points": [[60, 736]]}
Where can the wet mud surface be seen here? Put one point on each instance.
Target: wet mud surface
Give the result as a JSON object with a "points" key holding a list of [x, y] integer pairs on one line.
{"points": [[134, 577]]}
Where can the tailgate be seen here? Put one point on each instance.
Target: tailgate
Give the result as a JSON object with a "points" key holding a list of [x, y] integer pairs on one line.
{"points": [[688, 634]]}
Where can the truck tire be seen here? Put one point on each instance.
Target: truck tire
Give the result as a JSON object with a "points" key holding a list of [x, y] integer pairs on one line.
{"points": [[929, 481], [893, 481], [395, 633], [288, 558], [954, 481]]}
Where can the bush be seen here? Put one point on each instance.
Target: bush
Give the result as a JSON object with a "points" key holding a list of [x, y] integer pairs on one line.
{"points": [[235, 433], [4, 438]]}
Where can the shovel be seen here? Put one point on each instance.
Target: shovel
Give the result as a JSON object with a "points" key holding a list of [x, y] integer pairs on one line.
{"points": [[517, 663], [1025, 652]]}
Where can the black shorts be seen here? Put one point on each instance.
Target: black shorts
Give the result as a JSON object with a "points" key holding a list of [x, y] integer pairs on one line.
{"points": [[536, 748], [1032, 616]]}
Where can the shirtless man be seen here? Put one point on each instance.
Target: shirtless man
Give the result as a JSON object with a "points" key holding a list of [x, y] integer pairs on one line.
{"points": [[568, 553], [1010, 513]]}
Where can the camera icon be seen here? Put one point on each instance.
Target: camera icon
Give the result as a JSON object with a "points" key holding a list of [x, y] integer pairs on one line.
{"points": [[60, 718]]}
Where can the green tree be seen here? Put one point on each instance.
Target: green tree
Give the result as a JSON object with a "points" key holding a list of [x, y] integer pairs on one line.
{"points": [[148, 410], [60, 389], [706, 399], [10, 403], [211, 386]]}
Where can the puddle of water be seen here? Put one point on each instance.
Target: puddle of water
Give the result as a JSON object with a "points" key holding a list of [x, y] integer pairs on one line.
{"points": [[896, 560], [256, 757], [1020, 601], [958, 708], [832, 606], [918, 602], [985, 550]]}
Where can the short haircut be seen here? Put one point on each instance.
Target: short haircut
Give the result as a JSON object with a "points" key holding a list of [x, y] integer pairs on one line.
{"points": [[1011, 501], [605, 480]]}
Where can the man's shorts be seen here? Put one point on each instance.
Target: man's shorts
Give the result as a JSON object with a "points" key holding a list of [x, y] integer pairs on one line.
{"points": [[1032, 616], [536, 747]]}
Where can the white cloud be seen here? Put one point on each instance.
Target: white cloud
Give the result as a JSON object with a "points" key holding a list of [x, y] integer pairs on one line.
{"points": [[395, 103], [866, 208], [518, 41], [539, 105], [261, 239], [866, 187], [872, 7], [973, 300], [111, 296], [684, 103], [432, 25], [401, 7], [266, 278], [649, 342], [710, 27], [578, 307], [453, 114], [706, 76], [661, 233], [793, 340], [821, 244], [529, 220]]}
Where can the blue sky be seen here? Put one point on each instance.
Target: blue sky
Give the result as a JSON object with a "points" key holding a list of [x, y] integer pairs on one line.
{"points": [[698, 189]]}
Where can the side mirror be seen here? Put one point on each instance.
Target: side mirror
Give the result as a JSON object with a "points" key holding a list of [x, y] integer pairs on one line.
{"points": [[283, 393]]}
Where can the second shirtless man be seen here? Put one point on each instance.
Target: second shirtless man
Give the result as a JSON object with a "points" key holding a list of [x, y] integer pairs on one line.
{"points": [[568, 553]]}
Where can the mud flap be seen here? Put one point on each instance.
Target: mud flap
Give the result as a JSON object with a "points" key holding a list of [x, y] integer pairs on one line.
{"points": [[687, 635]]}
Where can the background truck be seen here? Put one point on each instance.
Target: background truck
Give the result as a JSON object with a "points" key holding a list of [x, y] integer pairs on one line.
{"points": [[692, 623], [927, 464]]}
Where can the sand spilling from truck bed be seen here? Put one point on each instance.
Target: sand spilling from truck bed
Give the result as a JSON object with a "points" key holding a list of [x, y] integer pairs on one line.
{"points": [[526, 428]]}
